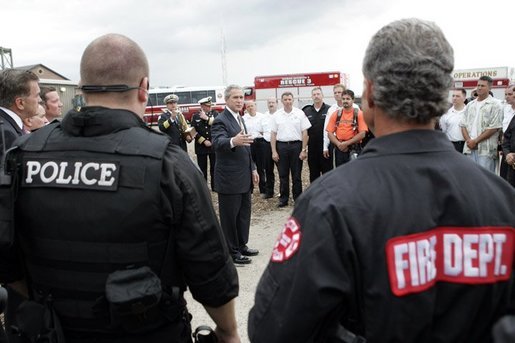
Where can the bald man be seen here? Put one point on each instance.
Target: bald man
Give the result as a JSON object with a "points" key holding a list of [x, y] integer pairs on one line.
{"points": [[112, 253]]}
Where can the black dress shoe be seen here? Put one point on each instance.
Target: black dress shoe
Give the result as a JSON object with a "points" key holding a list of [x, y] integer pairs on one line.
{"points": [[266, 196], [249, 252], [241, 260], [282, 204]]}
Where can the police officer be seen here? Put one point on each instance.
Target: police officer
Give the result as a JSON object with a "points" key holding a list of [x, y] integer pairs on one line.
{"points": [[173, 123], [110, 256], [410, 242], [201, 122]]}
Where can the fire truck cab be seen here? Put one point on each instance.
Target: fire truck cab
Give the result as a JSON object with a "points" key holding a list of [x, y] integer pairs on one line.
{"points": [[467, 79], [300, 85]]}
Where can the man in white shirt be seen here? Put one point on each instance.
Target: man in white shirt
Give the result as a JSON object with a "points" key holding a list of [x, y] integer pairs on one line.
{"points": [[450, 121], [481, 122], [289, 142], [253, 121], [267, 149]]}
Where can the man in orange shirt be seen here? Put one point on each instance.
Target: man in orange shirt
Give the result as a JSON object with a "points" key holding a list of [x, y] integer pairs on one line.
{"points": [[350, 128]]}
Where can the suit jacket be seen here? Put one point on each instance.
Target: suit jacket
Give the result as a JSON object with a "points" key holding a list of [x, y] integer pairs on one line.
{"points": [[233, 167], [11, 131]]}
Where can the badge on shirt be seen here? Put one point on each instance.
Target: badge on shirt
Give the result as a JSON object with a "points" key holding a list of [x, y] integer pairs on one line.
{"points": [[71, 173], [288, 242]]}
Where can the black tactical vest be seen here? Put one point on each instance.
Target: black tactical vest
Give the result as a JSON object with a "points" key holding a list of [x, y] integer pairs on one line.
{"points": [[88, 206]]}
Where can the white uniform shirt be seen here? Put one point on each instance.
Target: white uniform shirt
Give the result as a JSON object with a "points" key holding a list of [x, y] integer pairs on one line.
{"points": [[509, 112], [253, 124], [266, 125], [289, 126], [450, 124]]}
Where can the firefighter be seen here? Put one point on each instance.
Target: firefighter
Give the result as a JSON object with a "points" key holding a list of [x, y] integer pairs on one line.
{"points": [[410, 242]]}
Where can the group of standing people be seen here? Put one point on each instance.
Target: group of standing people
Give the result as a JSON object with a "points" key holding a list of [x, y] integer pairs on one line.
{"points": [[482, 127], [406, 254]]}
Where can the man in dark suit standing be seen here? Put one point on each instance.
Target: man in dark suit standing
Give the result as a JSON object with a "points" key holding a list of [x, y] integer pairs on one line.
{"points": [[19, 99], [234, 174]]}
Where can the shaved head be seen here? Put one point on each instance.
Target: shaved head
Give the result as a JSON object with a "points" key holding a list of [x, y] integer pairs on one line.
{"points": [[113, 59]]}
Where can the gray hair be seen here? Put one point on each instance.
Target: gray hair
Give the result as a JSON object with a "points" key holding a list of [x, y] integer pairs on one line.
{"points": [[229, 89], [15, 83], [409, 63]]}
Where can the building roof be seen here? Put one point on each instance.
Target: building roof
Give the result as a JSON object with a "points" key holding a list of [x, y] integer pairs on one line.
{"points": [[34, 67]]}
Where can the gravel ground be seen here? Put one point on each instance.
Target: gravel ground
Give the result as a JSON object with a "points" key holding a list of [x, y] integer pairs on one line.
{"points": [[264, 230]]}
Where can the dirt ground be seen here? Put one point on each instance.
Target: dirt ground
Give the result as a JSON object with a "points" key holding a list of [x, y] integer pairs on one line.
{"points": [[266, 223]]}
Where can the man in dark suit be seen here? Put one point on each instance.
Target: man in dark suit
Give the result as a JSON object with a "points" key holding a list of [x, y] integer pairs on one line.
{"points": [[19, 99], [234, 174]]}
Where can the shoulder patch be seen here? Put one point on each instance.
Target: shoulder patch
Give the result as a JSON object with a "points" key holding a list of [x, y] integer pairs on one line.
{"points": [[288, 242]]}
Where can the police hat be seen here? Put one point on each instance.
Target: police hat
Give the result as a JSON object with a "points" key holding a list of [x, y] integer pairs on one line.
{"points": [[171, 98], [205, 101]]}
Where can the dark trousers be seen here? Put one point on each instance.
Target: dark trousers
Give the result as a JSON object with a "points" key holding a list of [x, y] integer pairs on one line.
{"points": [[258, 156], [341, 157], [235, 220], [269, 165], [458, 145], [202, 164], [317, 163], [289, 162]]}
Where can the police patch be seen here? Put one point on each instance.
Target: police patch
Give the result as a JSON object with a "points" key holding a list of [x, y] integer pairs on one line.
{"points": [[288, 242], [71, 173]]}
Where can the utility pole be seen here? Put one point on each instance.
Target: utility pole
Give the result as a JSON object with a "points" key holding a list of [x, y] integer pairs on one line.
{"points": [[224, 61], [6, 58]]}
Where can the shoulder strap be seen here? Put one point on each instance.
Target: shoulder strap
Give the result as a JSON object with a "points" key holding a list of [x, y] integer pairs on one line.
{"points": [[355, 120], [338, 116]]}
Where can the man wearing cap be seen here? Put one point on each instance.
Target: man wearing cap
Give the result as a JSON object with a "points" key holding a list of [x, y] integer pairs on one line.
{"points": [[173, 123], [201, 122]]}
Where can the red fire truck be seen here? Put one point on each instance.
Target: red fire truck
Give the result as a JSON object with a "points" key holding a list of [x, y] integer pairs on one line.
{"points": [[467, 78], [298, 84]]}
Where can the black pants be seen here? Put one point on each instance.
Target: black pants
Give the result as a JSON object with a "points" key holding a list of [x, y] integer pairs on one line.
{"points": [[341, 157], [458, 145], [202, 164], [258, 156], [235, 220], [317, 163], [289, 162], [268, 166]]}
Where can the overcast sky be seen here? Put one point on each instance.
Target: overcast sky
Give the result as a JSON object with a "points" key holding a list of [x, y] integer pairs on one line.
{"points": [[182, 38]]}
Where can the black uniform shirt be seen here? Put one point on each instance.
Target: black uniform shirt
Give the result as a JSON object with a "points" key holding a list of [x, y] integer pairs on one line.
{"points": [[401, 198], [317, 119]]}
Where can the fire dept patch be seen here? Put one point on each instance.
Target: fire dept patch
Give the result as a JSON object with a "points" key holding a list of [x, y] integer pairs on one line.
{"points": [[465, 255], [288, 242]]}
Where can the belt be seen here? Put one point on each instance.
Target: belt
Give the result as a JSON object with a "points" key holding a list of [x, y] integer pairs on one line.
{"points": [[259, 139], [290, 142]]}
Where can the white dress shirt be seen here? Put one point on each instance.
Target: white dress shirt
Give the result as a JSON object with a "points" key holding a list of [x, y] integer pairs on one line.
{"points": [[289, 126], [450, 124], [253, 124]]}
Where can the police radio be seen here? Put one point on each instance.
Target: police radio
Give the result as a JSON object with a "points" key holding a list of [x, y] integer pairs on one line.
{"points": [[6, 196]]}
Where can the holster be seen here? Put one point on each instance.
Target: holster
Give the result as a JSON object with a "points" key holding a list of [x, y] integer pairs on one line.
{"points": [[37, 323]]}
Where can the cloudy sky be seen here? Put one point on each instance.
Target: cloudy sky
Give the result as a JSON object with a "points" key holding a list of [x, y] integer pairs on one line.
{"points": [[182, 38]]}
